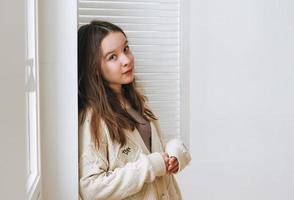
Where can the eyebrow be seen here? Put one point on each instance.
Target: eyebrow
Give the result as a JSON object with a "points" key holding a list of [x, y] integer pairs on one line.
{"points": [[126, 42]]}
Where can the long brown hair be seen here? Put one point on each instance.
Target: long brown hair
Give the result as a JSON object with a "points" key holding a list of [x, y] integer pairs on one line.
{"points": [[95, 94]]}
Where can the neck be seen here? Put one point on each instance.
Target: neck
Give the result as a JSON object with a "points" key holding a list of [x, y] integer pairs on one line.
{"points": [[123, 101], [118, 90], [116, 87]]}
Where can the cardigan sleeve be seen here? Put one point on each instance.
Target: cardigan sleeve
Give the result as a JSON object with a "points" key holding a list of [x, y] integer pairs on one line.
{"points": [[97, 182], [176, 148]]}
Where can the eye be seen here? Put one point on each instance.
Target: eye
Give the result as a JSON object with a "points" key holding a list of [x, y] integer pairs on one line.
{"points": [[126, 48], [112, 57]]}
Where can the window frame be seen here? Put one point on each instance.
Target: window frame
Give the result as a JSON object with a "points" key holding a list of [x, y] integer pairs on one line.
{"points": [[33, 183]]}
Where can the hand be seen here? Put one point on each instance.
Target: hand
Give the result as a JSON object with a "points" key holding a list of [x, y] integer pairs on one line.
{"points": [[173, 165], [165, 157]]}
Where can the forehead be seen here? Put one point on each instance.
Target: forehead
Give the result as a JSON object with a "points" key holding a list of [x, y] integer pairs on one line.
{"points": [[112, 41]]}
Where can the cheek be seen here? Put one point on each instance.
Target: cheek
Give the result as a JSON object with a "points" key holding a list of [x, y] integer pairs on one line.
{"points": [[111, 71]]}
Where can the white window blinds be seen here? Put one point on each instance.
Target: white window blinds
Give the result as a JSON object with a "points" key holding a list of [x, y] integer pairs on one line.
{"points": [[153, 30]]}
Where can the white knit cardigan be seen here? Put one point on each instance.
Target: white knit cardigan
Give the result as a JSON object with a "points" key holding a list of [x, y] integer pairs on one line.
{"points": [[130, 172]]}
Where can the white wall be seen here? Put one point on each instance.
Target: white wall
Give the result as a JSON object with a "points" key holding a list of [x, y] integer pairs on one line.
{"points": [[12, 100], [242, 110], [58, 101]]}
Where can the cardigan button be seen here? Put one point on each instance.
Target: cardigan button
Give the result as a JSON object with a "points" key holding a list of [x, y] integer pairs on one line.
{"points": [[164, 196]]}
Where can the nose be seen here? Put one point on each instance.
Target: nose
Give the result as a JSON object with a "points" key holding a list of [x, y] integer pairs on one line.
{"points": [[125, 60]]}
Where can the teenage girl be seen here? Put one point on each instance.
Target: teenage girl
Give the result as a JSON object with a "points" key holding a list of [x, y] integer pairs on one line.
{"points": [[121, 152]]}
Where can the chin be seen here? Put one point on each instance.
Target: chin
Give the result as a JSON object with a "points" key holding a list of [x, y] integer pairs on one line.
{"points": [[129, 80]]}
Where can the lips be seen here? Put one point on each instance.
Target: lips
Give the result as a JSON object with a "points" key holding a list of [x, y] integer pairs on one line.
{"points": [[128, 71]]}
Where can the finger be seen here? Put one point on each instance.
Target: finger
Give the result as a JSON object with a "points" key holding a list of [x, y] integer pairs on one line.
{"points": [[173, 163], [174, 169], [172, 166], [172, 160]]}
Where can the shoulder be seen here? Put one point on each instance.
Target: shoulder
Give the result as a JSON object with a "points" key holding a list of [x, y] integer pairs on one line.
{"points": [[85, 129], [87, 147]]}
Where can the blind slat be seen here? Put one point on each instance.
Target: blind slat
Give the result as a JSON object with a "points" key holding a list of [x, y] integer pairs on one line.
{"points": [[154, 34], [159, 28], [127, 12], [134, 1], [133, 19], [152, 55]]}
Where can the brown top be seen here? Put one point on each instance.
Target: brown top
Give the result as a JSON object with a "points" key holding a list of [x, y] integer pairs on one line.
{"points": [[143, 126]]}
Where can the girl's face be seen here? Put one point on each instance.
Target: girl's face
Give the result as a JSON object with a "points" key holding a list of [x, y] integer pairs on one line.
{"points": [[117, 62]]}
